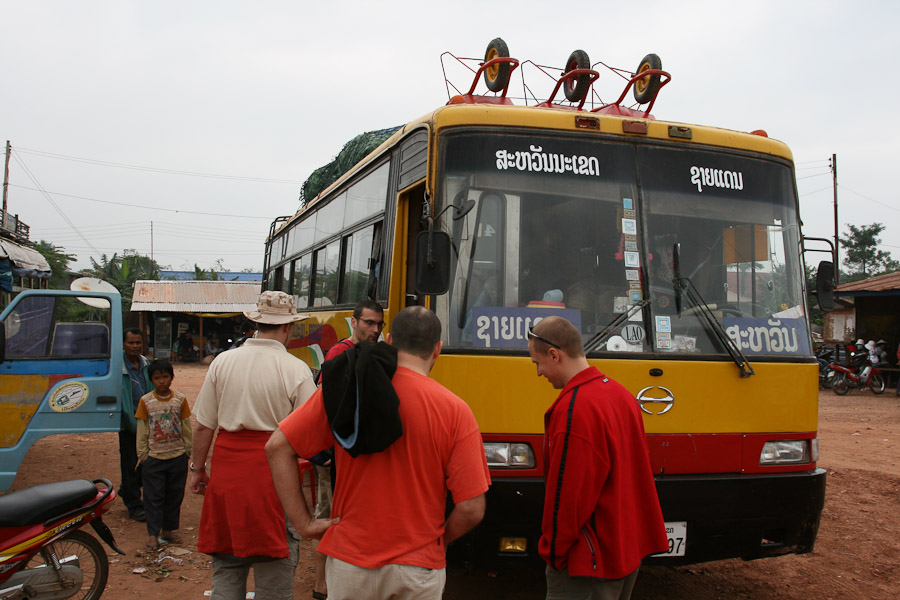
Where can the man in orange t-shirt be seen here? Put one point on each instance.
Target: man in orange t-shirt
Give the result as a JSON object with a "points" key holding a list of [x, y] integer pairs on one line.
{"points": [[388, 523]]}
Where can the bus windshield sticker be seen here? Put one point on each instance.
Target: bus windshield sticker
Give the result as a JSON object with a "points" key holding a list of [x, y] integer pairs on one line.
{"points": [[664, 340], [629, 226], [499, 327], [632, 260], [631, 246], [627, 203], [538, 160], [632, 275], [731, 180], [633, 334], [635, 296], [664, 324], [768, 336]]}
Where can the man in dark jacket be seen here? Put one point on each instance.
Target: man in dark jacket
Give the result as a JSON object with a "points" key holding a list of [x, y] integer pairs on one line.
{"points": [[135, 383], [601, 511]]}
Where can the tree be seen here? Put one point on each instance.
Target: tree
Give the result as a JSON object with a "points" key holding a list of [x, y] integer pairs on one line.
{"points": [[58, 260], [863, 258], [123, 271]]}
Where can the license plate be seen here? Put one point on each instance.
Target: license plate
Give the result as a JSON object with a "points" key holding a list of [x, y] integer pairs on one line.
{"points": [[676, 531]]}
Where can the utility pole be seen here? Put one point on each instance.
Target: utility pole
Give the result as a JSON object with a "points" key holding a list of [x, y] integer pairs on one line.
{"points": [[151, 240], [837, 268], [5, 186]]}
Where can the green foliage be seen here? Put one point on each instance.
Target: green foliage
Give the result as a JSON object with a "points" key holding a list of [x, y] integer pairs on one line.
{"points": [[123, 271], [816, 316], [58, 260], [863, 259]]}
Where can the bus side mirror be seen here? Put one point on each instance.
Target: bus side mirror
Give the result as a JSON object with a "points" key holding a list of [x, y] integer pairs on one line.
{"points": [[432, 262], [825, 285]]}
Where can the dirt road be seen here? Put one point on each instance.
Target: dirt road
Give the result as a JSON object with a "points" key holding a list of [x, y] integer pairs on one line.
{"points": [[857, 553]]}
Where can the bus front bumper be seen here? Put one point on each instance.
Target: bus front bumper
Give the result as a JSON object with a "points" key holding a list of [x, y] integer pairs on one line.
{"points": [[727, 516]]}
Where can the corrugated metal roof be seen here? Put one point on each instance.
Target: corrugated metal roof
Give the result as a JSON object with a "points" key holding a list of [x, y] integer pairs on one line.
{"points": [[195, 296], [879, 283]]}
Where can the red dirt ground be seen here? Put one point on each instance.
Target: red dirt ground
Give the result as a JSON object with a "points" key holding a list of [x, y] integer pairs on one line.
{"points": [[856, 554]]}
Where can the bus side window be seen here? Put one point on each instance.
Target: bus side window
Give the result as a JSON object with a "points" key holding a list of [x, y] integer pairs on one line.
{"points": [[28, 327]]}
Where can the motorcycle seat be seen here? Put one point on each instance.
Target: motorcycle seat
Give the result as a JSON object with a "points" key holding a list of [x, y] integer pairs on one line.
{"points": [[41, 502]]}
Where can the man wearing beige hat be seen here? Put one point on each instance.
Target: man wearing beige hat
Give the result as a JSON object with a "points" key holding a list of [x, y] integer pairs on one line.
{"points": [[247, 391]]}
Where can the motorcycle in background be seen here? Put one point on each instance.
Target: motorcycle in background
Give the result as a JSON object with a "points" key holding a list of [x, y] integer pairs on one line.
{"points": [[825, 356], [44, 554], [848, 375]]}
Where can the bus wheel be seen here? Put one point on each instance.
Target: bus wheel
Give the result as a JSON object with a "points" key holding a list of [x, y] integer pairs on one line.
{"points": [[577, 87], [876, 383], [839, 384], [645, 88], [496, 77]]}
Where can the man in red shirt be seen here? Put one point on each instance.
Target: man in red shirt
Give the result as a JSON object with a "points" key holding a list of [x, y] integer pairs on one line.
{"points": [[388, 527], [601, 510], [366, 323]]}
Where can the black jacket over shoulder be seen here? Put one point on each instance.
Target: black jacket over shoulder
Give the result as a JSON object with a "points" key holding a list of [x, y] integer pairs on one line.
{"points": [[360, 401]]}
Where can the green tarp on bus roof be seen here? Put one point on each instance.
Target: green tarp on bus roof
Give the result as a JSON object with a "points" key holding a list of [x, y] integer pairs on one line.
{"points": [[352, 152]]}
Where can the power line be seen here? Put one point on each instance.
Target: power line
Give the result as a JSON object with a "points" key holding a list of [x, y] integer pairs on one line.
{"points": [[870, 199], [153, 208], [52, 202], [105, 163]]}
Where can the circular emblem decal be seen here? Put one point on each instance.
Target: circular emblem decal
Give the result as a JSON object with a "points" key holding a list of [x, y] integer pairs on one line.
{"points": [[68, 396]]}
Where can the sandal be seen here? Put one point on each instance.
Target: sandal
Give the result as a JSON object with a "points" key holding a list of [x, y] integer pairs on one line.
{"points": [[172, 539], [151, 547], [320, 595]]}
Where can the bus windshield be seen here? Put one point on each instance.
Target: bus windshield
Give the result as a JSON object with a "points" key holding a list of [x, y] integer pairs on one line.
{"points": [[585, 229]]}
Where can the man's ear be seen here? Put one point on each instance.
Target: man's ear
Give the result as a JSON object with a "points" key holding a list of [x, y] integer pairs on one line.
{"points": [[437, 350], [389, 339]]}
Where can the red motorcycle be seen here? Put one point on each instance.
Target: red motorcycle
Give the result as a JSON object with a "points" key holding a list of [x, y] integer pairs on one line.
{"points": [[43, 552], [848, 375]]}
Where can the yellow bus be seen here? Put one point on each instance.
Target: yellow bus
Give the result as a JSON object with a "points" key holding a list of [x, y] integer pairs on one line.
{"points": [[675, 248]]}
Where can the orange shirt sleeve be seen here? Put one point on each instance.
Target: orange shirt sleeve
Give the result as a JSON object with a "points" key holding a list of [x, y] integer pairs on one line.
{"points": [[142, 411], [185, 409], [467, 470], [306, 429]]}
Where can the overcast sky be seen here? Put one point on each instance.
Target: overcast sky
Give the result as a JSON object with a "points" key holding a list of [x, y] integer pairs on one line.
{"points": [[204, 118]]}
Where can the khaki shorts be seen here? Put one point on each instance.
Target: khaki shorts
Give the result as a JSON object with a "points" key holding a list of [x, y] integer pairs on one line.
{"points": [[403, 582]]}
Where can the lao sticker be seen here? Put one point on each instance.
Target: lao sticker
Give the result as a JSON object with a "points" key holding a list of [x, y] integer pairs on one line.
{"points": [[631, 274], [634, 285], [629, 214], [68, 396], [632, 259], [664, 325], [631, 238], [663, 340], [629, 226], [633, 334], [635, 296], [627, 203], [631, 246]]}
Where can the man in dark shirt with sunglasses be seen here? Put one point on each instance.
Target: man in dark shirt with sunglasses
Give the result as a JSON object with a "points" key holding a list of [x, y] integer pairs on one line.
{"points": [[367, 323], [601, 511]]}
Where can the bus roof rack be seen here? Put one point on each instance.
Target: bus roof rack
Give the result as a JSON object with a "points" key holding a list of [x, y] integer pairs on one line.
{"points": [[576, 80]]}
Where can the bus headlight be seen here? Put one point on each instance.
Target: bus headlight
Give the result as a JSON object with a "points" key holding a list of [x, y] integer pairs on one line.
{"points": [[785, 452], [504, 454]]}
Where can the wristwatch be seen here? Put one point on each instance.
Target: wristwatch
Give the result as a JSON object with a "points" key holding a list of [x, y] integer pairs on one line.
{"points": [[194, 469]]}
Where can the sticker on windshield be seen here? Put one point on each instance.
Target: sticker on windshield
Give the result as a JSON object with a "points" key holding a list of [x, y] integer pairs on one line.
{"points": [[664, 340], [664, 324], [627, 203], [635, 296], [631, 246], [631, 274], [629, 214], [629, 226], [633, 334], [632, 259]]}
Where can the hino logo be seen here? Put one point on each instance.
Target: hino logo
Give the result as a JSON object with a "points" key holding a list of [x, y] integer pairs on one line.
{"points": [[668, 400]]}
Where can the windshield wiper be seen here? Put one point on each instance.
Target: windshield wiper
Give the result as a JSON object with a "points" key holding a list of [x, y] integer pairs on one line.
{"points": [[686, 288], [600, 337]]}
